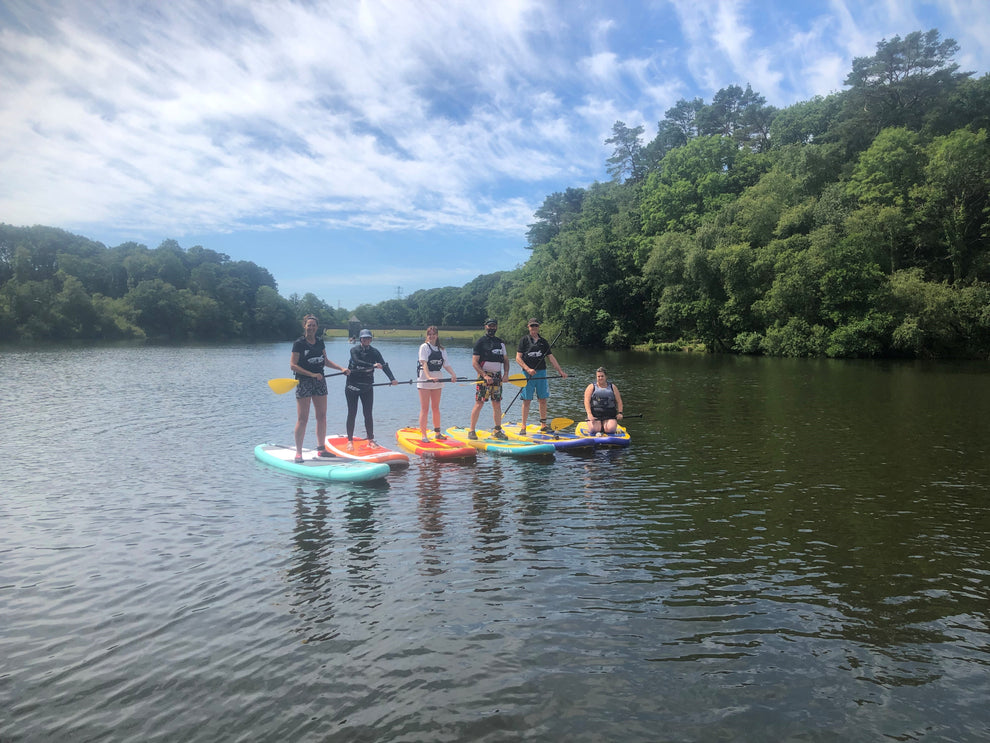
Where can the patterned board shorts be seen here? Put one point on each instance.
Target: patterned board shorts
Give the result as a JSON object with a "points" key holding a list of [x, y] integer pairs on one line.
{"points": [[310, 387], [491, 391]]}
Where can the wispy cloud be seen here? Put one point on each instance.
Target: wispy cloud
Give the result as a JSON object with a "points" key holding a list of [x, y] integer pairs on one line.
{"points": [[194, 117], [345, 112]]}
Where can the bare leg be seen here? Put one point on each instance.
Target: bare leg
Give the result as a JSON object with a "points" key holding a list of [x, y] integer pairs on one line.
{"points": [[475, 411], [320, 406], [435, 405], [424, 404], [302, 418]]}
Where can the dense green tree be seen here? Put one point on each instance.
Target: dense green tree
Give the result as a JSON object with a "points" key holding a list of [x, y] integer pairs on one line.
{"points": [[693, 180], [627, 152], [954, 200], [887, 171], [557, 211], [804, 122]]}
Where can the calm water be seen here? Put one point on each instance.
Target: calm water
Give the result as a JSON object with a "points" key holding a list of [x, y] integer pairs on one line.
{"points": [[790, 550]]}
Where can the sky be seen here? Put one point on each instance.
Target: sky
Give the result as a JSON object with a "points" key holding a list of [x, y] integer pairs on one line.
{"points": [[364, 150]]}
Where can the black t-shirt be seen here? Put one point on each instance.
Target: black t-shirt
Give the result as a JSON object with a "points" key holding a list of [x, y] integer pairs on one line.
{"points": [[310, 355], [490, 349], [534, 353]]}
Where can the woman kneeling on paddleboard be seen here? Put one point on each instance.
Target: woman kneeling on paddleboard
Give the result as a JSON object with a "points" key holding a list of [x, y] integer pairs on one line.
{"points": [[603, 403]]}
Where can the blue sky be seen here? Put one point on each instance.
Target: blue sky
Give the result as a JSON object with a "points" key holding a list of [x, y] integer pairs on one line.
{"points": [[364, 150]]}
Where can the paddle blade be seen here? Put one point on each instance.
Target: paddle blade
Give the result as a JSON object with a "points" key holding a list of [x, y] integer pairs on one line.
{"points": [[558, 424], [517, 381], [281, 386]]}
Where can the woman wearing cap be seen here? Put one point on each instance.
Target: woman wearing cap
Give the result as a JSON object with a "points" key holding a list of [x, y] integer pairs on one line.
{"points": [[309, 356], [532, 355], [603, 403], [365, 358], [432, 358]]}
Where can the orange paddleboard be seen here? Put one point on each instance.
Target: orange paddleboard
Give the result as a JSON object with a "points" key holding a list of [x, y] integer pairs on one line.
{"points": [[411, 440], [365, 451]]}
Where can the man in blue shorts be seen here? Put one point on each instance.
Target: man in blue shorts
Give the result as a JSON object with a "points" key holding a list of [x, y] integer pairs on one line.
{"points": [[532, 355]]}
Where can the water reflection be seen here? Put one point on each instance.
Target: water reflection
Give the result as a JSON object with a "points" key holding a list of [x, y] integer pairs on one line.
{"points": [[488, 498], [328, 549], [431, 516], [796, 549]]}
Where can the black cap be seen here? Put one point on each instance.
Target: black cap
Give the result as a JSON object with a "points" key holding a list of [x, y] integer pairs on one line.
{"points": [[491, 321]]}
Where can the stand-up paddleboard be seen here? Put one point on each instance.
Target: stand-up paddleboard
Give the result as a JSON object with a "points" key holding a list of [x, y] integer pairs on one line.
{"points": [[365, 451], [559, 439], [411, 440], [619, 438], [511, 448], [315, 467]]}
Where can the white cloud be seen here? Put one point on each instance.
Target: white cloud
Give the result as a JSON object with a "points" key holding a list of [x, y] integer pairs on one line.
{"points": [[189, 117]]}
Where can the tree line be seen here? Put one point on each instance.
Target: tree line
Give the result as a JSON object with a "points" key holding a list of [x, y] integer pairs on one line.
{"points": [[56, 285], [850, 225]]}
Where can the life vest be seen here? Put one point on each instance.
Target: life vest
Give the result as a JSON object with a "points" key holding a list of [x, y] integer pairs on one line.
{"points": [[489, 349], [434, 362], [603, 403]]}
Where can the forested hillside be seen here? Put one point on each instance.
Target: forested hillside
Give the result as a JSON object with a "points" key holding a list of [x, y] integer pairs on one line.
{"points": [[852, 225], [56, 285]]}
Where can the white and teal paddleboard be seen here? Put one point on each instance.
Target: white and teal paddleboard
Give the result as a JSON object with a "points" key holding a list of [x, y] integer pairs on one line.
{"points": [[314, 467]]}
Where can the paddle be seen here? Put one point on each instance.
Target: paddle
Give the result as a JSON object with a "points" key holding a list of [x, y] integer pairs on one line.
{"points": [[282, 385], [526, 379], [624, 416], [417, 381], [518, 381]]}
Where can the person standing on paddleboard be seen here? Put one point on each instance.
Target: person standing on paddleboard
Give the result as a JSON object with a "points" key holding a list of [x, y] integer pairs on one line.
{"points": [[365, 358], [603, 404], [491, 363], [432, 359], [309, 356], [532, 355]]}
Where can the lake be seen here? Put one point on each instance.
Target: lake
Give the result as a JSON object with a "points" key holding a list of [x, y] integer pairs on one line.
{"points": [[790, 550]]}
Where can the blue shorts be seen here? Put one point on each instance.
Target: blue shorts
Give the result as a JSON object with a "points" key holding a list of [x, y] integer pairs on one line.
{"points": [[537, 385]]}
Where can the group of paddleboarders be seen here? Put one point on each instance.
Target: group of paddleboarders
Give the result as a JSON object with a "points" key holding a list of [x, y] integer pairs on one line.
{"points": [[490, 361]]}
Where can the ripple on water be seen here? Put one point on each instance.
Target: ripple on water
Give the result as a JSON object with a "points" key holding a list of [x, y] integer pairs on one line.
{"points": [[726, 573]]}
